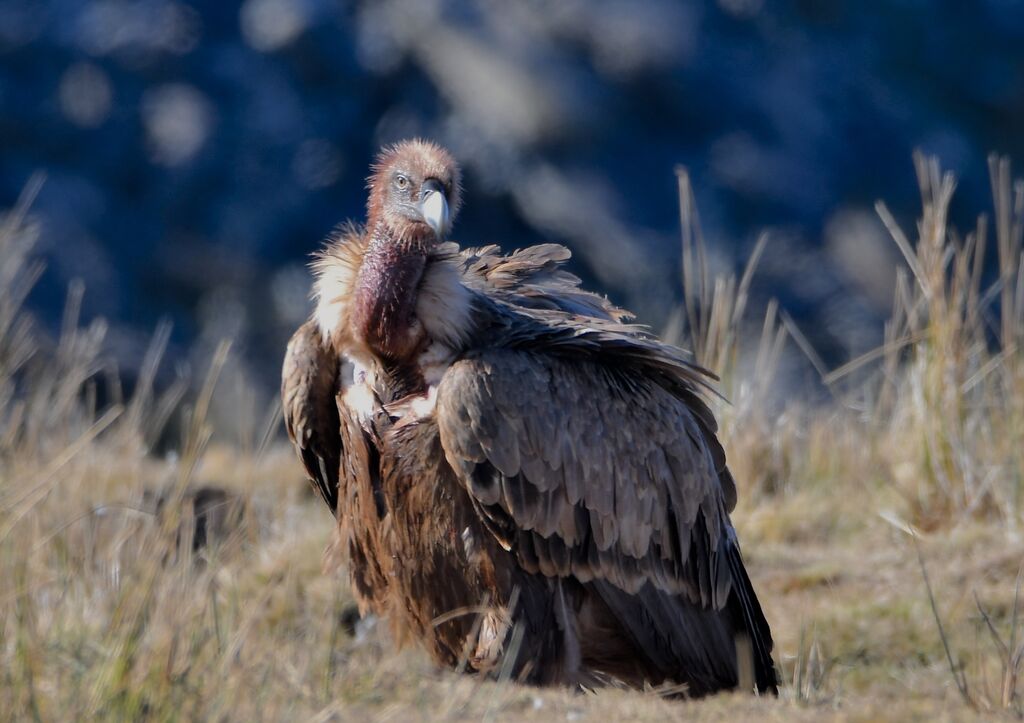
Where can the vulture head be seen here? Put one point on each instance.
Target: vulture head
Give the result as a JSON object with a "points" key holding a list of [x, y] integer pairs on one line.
{"points": [[370, 282], [414, 192]]}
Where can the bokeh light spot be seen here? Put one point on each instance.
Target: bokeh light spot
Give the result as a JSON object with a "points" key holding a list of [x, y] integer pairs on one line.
{"points": [[178, 119], [85, 95]]}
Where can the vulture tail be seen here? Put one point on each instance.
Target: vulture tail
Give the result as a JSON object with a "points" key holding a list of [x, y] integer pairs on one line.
{"points": [[747, 612], [683, 642], [697, 646]]}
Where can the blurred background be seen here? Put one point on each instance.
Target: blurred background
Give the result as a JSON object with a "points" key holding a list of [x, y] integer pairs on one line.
{"points": [[196, 153]]}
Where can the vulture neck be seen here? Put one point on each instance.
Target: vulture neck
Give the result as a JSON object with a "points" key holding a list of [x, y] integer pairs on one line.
{"points": [[386, 292]]}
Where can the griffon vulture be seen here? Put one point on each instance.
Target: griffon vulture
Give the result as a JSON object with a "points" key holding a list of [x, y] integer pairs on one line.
{"points": [[523, 479]]}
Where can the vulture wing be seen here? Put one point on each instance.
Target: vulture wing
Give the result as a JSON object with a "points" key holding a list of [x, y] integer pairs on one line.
{"points": [[611, 476], [587, 470], [309, 384]]}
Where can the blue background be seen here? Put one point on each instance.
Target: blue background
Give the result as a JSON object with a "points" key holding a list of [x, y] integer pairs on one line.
{"points": [[197, 153]]}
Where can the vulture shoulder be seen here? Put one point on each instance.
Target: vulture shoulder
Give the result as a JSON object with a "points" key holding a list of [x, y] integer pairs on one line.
{"points": [[591, 469], [309, 385]]}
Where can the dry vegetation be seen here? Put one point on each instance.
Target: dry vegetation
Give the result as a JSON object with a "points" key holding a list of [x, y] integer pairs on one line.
{"points": [[108, 608]]}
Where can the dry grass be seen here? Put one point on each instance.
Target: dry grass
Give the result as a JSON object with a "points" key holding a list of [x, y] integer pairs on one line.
{"points": [[108, 610]]}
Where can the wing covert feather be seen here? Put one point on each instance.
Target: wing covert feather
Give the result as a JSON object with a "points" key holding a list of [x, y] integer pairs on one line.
{"points": [[603, 478]]}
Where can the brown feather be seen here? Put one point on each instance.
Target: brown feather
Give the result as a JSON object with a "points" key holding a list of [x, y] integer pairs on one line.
{"points": [[658, 459]]}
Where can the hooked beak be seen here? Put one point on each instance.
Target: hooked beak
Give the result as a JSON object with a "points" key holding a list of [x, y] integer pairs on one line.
{"points": [[434, 207]]}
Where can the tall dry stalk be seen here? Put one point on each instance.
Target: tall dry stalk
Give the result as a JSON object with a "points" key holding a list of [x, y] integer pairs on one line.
{"points": [[952, 385]]}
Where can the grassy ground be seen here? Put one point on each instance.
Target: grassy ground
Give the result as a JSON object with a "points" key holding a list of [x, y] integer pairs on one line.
{"points": [[914, 466]]}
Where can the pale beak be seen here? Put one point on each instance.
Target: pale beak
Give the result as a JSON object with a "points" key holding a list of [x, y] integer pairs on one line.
{"points": [[434, 207]]}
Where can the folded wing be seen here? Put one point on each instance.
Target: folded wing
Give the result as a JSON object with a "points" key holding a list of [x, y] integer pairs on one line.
{"points": [[309, 384], [596, 472], [590, 472]]}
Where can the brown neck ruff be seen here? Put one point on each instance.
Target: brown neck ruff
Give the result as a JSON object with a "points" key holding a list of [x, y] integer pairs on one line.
{"points": [[385, 294]]}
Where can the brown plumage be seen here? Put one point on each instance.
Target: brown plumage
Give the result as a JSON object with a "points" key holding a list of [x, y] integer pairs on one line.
{"points": [[523, 479]]}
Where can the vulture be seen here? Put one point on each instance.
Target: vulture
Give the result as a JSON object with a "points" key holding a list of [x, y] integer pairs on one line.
{"points": [[525, 482]]}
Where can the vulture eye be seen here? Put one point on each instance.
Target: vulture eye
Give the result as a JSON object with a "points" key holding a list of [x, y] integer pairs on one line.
{"points": [[401, 181]]}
